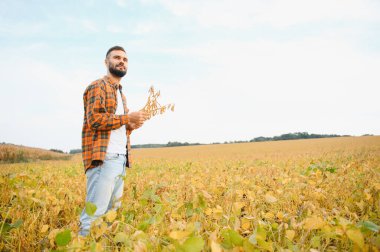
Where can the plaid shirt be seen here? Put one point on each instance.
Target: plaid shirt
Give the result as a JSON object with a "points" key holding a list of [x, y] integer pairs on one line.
{"points": [[100, 103]]}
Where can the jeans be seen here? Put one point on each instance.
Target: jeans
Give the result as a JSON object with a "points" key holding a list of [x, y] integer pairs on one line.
{"points": [[104, 188]]}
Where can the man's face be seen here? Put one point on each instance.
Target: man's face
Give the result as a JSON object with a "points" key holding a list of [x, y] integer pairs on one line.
{"points": [[117, 63]]}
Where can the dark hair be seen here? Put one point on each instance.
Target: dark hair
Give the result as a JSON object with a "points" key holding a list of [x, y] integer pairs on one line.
{"points": [[114, 48]]}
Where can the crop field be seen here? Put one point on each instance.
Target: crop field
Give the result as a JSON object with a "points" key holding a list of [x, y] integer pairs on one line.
{"points": [[14, 154], [301, 195]]}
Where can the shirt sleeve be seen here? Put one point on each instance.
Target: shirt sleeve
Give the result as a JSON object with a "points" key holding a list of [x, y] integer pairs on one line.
{"points": [[96, 113]]}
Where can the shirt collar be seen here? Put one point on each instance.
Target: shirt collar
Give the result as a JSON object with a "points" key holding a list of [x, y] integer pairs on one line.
{"points": [[112, 82]]}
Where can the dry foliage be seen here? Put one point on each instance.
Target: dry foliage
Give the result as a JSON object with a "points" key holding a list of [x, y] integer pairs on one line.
{"points": [[153, 107], [304, 195], [14, 154]]}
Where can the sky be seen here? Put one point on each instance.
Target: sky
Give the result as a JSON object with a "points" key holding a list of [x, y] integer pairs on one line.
{"points": [[235, 70]]}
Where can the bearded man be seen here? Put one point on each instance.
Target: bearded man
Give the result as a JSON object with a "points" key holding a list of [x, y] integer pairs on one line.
{"points": [[106, 128]]}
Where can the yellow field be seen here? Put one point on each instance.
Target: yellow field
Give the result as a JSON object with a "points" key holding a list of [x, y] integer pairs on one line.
{"points": [[303, 195], [14, 154]]}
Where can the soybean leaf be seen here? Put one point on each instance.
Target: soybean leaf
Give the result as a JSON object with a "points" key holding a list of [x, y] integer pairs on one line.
{"points": [[90, 208], [193, 244], [16, 224], [63, 238], [369, 225]]}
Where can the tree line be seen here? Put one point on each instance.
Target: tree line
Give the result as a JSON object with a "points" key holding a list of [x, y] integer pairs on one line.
{"points": [[287, 136]]}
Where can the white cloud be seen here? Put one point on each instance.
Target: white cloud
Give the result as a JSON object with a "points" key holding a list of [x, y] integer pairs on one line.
{"points": [[122, 3], [320, 85], [115, 29], [282, 14], [45, 102], [147, 27], [89, 25], [86, 25], [277, 13], [22, 28]]}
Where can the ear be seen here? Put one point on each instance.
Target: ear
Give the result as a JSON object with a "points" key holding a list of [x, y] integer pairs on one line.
{"points": [[106, 62]]}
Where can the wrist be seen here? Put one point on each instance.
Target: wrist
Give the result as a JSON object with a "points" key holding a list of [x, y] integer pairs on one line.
{"points": [[124, 120]]}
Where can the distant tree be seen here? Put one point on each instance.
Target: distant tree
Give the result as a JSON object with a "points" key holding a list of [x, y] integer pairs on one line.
{"points": [[74, 151], [148, 145], [292, 136], [56, 150], [172, 144], [260, 139]]}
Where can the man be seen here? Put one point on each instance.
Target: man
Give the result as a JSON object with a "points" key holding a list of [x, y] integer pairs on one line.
{"points": [[105, 137]]}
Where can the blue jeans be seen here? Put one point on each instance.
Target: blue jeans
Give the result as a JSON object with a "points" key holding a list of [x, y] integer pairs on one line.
{"points": [[104, 188]]}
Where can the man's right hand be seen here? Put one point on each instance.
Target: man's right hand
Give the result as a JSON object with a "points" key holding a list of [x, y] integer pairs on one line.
{"points": [[138, 117]]}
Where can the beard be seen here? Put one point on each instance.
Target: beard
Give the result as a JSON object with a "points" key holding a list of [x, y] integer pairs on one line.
{"points": [[119, 73]]}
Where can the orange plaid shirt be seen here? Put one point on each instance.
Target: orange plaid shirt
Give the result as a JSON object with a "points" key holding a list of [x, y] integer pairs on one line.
{"points": [[100, 104]]}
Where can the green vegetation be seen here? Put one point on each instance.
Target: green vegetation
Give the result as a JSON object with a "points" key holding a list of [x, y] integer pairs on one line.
{"points": [[75, 151], [294, 136]]}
